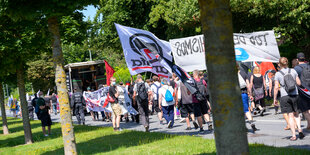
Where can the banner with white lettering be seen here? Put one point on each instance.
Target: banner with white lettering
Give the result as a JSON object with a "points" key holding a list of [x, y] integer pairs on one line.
{"points": [[262, 46], [189, 53], [137, 45]]}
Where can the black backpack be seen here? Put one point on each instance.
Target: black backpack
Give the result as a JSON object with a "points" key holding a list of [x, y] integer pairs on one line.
{"points": [[142, 93], [202, 88], [305, 76], [289, 81]]}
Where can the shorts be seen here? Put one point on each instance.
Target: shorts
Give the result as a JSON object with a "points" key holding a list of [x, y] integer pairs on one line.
{"points": [[116, 109], [45, 119], [156, 106], [245, 101], [289, 104], [186, 109], [198, 109], [303, 102]]}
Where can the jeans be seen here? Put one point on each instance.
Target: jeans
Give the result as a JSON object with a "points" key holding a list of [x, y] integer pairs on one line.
{"points": [[144, 112], [54, 105], [79, 113], [168, 112]]}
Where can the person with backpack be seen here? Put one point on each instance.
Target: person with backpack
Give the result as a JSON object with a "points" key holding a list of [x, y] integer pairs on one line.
{"points": [[200, 107], [14, 107], [303, 71], [202, 84], [258, 84], [288, 78], [78, 104], [141, 93], [155, 96], [166, 102], [44, 114]]}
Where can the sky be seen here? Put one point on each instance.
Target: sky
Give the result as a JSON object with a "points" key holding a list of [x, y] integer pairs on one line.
{"points": [[89, 12]]}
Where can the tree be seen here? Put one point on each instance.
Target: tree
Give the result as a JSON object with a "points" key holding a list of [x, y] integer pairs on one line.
{"points": [[3, 114], [52, 11], [230, 131]]}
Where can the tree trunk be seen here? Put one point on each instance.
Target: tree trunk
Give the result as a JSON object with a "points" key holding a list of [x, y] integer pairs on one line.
{"points": [[230, 131], [3, 114], [23, 104], [60, 80]]}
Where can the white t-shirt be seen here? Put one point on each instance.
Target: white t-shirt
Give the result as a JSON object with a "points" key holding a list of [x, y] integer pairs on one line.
{"points": [[121, 92], [162, 91], [154, 89]]}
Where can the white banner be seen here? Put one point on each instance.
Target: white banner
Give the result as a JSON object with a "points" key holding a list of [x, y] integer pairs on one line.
{"points": [[137, 46], [189, 52], [257, 46]]}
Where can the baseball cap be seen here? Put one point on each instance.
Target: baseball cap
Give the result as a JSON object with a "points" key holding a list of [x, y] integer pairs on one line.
{"points": [[300, 56]]}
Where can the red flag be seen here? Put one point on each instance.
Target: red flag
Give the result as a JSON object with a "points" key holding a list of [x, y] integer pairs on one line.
{"points": [[109, 70]]}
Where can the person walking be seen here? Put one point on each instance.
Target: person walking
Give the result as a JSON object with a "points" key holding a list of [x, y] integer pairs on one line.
{"points": [[141, 93], [155, 96], [44, 114], [303, 71], [259, 86], [166, 102], [288, 78], [116, 109], [245, 89], [78, 104], [30, 108], [54, 103]]}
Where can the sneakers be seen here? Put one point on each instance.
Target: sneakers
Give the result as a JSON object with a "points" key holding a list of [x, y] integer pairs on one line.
{"points": [[161, 122], [188, 128], [253, 127], [195, 124], [147, 129], [301, 135], [46, 135], [182, 120], [170, 124], [210, 127], [201, 131]]}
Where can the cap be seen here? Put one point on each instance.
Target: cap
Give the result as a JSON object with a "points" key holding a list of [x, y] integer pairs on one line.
{"points": [[300, 56], [88, 88]]}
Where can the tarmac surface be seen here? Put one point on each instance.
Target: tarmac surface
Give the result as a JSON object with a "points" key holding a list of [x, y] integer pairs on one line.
{"points": [[270, 129]]}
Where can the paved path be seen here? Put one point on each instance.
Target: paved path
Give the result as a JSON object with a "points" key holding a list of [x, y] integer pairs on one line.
{"points": [[271, 130]]}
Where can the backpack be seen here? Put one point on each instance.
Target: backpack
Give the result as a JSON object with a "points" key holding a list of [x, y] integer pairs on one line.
{"points": [[305, 76], [142, 94], [242, 82], [289, 81], [168, 96], [202, 88], [157, 87]]}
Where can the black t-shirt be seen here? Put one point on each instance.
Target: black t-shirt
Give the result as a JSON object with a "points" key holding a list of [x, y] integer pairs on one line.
{"points": [[112, 92]]}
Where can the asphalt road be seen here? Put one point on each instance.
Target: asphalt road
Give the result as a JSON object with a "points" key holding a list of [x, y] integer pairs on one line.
{"points": [[271, 129]]}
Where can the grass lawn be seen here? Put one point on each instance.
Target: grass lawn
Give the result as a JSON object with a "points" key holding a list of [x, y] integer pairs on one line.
{"points": [[103, 140]]}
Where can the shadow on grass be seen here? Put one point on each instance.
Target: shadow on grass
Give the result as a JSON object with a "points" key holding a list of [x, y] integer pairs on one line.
{"points": [[112, 142], [38, 136]]}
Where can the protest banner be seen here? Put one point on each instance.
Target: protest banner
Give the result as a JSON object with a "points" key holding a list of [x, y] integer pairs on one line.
{"points": [[137, 45], [189, 52]]}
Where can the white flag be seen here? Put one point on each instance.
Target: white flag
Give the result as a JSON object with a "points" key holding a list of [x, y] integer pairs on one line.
{"points": [[137, 46]]}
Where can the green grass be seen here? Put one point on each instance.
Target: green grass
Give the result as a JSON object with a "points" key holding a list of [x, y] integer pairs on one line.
{"points": [[102, 140]]}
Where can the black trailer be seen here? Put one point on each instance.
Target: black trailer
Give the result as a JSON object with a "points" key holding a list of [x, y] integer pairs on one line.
{"points": [[81, 75]]}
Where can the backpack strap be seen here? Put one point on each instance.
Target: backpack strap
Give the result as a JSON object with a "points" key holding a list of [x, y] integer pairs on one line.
{"points": [[281, 73], [289, 70]]}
